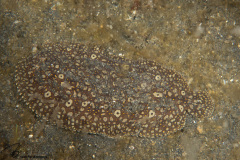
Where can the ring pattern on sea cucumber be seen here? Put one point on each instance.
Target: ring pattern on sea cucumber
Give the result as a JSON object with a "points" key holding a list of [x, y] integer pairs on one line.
{"points": [[86, 88]]}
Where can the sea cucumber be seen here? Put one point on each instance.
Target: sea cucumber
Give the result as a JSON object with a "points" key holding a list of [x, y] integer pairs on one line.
{"points": [[87, 88]]}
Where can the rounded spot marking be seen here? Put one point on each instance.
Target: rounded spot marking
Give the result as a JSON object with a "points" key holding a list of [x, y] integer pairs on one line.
{"points": [[181, 108], [93, 56], [69, 103], [84, 104], [156, 94], [169, 93], [82, 118], [61, 76], [47, 94], [144, 85], [158, 77], [117, 113], [105, 119], [183, 93], [151, 114], [95, 119]]}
